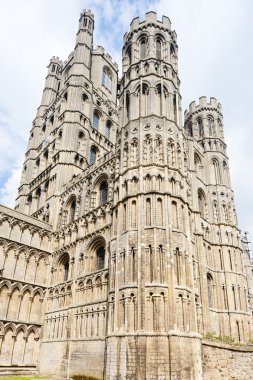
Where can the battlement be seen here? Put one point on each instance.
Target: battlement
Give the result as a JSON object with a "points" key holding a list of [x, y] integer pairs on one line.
{"points": [[151, 18], [99, 50], [86, 12], [56, 60], [204, 103]]}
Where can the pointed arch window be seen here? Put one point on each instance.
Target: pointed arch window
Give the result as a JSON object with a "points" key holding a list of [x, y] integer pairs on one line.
{"points": [[100, 258], [103, 192], [158, 49], [72, 210], [127, 106], [66, 271], [107, 129], [95, 120], [200, 128], [201, 201], [210, 289], [93, 155], [129, 54], [107, 78], [143, 48]]}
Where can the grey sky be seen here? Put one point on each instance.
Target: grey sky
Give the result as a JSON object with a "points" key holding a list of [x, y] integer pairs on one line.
{"points": [[215, 59]]}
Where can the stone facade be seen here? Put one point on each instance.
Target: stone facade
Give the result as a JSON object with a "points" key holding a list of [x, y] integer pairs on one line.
{"points": [[123, 251]]}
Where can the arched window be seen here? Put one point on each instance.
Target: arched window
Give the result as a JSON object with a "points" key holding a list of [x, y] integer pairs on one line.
{"points": [[200, 127], [158, 49], [38, 197], [45, 155], [127, 106], [148, 212], [100, 258], [66, 271], [71, 210], [63, 268], [129, 54], [202, 202], [198, 164], [95, 120], [93, 155], [216, 170], [211, 126], [103, 190], [107, 129], [189, 129], [210, 289], [107, 78], [143, 47], [172, 50]]}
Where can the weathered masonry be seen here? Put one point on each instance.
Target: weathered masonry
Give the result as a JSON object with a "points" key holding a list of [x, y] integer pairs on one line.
{"points": [[123, 257]]}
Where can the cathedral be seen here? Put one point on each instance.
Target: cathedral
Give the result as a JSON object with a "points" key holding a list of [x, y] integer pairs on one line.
{"points": [[122, 259]]}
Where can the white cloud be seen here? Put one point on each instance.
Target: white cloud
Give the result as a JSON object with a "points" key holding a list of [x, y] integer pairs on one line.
{"points": [[215, 55]]}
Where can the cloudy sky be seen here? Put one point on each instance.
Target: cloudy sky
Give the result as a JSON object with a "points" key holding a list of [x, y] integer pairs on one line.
{"points": [[215, 59]]}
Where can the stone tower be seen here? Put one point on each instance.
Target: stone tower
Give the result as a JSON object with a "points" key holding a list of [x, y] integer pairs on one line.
{"points": [[65, 137], [152, 299], [123, 256]]}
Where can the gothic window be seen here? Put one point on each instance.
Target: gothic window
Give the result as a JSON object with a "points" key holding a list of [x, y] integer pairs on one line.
{"points": [[215, 212], [127, 106], [124, 217], [143, 48], [66, 271], [216, 170], [129, 54], [198, 164], [38, 197], [144, 98], [45, 156], [65, 96], [172, 50], [174, 215], [225, 174], [63, 268], [202, 203], [158, 49], [107, 78], [71, 207], [148, 182], [103, 190], [159, 212], [175, 106], [210, 289], [81, 141], [107, 129], [189, 128], [148, 212], [200, 127], [95, 120], [29, 202], [159, 94], [93, 155], [133, 214], [211, 126], [100, 258]]}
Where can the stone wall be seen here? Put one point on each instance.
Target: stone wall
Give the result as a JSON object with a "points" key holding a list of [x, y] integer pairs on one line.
{"points": [[225, 362]]}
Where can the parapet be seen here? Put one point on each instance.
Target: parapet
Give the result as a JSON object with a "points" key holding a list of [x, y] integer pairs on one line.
{"points": [[56, 60], [203, 104], [99, 50], [151, 18], [88, 13]]}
